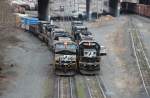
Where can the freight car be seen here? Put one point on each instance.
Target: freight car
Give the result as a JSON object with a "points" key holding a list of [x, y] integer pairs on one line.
{"points": [[43, 34], [140, 9]]}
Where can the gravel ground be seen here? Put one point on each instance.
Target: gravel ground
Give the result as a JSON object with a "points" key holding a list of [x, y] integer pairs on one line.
{"points": [[31, 71], [119, 72]]}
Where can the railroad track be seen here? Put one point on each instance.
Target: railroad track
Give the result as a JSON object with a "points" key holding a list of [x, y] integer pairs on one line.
{"points": [[142, 60], [94, 88], [64, 87]]}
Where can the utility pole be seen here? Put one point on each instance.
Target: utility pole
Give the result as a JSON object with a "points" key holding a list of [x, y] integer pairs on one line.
{"points": [[97, 8], [118, 7], [50, 10]]}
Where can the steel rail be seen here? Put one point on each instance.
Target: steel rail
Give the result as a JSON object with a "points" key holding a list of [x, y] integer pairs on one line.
{"points": [[88, 88], [142, 46], [65, 87], [138, 65], [62, 89], [58, 86], [99, 84], [94, 87], [133, 30], [71, 87]]}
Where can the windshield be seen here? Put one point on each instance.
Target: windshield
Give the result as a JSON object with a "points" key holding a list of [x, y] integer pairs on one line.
{"points": [[86, 33], [70, 46], [60, 36], [90, 45], [78, 24], [57, 33]]}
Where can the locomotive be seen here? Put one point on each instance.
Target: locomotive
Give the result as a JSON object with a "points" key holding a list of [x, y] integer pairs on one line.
{"points": [[72, 52], [89, 57], [65, 63], [89, 51]]}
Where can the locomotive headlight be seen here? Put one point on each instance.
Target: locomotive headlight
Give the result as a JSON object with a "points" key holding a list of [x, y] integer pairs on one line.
{"points": [[95, 65]]}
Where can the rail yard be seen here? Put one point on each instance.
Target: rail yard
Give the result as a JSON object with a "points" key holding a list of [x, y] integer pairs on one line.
{"points": [[74, 56]]}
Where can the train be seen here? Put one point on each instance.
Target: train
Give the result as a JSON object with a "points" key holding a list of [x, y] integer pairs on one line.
{"points": [[65, 55], [140, 9], [89, 50], [62, 45], [73, 52]]}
